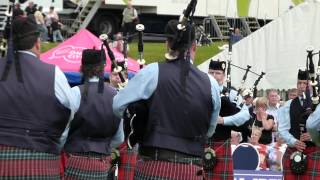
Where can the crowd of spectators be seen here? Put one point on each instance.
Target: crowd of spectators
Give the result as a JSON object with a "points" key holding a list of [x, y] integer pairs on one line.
{"points": [[49, 24], [261, 130]]}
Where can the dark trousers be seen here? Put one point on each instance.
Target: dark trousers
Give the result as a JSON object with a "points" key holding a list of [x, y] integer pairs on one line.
{"points": [[128, 28]]}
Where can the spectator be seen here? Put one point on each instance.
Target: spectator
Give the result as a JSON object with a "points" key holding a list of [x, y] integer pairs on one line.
{"points": [[273, 102], [262, 149], [275, 154], [17, 11], [235, 137], [52, 14], [260, 119], [273, 106], [292, 93], [114, 79], [130, 17], [236, 36], [118, 43], [248, 97], [56, 30], [31, 8], [41, 24]]}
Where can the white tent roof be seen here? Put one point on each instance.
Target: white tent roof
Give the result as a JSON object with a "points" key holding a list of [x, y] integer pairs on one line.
{"points": [[269, 9], [279, 48]]}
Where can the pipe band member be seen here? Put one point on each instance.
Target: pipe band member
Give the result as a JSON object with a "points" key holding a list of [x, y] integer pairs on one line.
{"points": [[95, 129], [36, 105], [183, 105]]}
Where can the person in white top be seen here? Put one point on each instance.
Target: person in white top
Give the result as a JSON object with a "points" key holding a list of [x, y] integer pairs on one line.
{"points": [[41, 24]]}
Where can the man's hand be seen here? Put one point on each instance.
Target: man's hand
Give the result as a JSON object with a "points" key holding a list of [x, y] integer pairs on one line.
{"points": [[300, 145], [220, 120], [305, 137]]}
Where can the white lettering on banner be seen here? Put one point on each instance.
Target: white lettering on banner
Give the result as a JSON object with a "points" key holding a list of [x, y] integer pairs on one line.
{"points": [[69, 53]]}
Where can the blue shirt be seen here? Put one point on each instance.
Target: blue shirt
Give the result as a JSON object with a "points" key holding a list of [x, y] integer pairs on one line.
{"points": [[237, 119], [313, 126], [143, 85], [284, 124]]}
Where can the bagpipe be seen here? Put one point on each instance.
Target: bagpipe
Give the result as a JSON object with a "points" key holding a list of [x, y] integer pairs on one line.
{"points": [[298, 160], [135, 110], [242, 90], [252, 90], [116, 68], [312, 101]]}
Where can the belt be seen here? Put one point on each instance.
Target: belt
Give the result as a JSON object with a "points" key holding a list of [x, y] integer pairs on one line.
{"points": [[90, 155], [158, 154]]}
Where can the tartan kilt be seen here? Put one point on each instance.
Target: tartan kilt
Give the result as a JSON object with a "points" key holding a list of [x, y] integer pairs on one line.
{"points": [[128, 160], [87, 166], [163, 170], [224, 167], [313, 164], [17, 163]]}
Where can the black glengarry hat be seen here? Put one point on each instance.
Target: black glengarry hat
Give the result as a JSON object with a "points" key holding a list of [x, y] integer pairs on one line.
{"points": [[302, 75], [93, 57], [218, 65]]}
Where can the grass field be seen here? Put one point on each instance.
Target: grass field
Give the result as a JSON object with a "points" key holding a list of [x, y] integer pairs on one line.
{"points": [[154, 52]]}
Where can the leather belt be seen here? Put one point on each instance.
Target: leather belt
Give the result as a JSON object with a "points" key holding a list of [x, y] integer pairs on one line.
{"points": [[159, 154]]}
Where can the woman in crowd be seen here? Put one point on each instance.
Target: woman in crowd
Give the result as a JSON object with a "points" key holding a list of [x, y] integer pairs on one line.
{"points": [[260, 119]]}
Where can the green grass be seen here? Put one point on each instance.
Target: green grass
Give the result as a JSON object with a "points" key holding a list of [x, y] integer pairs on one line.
{"points": [[154, 52], [47, 46]]}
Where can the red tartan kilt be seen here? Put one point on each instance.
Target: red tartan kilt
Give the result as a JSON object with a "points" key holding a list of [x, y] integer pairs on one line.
{"points": [[224, 166], [128, 159], [17, 163], [313, 164], [153, 170], [85, 167], [63, 163]]}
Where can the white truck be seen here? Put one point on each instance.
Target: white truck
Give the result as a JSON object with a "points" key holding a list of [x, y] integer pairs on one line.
{"points": [[155, 13], [106, 15]]}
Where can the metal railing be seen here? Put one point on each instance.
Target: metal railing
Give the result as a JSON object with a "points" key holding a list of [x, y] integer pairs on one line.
{"points": [[67, 23]]}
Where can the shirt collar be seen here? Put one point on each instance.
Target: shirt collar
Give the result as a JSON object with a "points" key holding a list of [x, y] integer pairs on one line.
{"points": [[28, 52], [94, 79]]}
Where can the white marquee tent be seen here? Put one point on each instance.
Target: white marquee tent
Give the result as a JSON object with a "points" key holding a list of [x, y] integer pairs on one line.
{"points": [[279, 48]]}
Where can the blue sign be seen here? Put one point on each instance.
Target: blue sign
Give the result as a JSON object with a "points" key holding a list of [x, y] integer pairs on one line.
{"points": [[257, 175]]}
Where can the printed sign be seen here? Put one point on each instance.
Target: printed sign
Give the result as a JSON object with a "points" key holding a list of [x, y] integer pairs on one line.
{"points": [[69, 53], [257, 175]]}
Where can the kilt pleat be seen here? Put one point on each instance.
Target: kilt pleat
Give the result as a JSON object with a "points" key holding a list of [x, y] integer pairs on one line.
{"points": [[223, 170], [17, 163], [162, 170], [87, 166], [128, 160], [313, 164]]}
